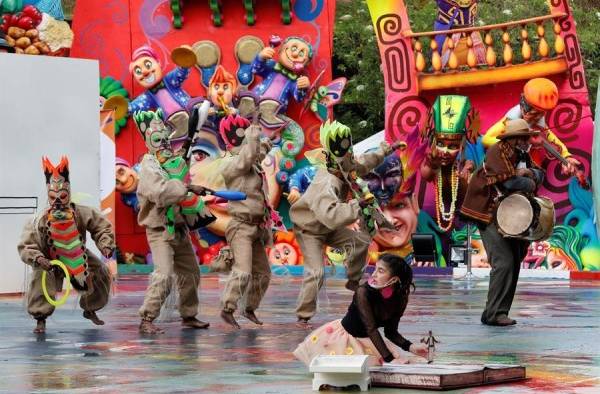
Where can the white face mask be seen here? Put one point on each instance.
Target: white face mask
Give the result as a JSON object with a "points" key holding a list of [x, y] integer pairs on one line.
{"points": [[386, 284]]}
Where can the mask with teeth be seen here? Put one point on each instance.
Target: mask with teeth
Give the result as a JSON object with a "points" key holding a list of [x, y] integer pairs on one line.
{"points": [[57, 182], [155, 133]]}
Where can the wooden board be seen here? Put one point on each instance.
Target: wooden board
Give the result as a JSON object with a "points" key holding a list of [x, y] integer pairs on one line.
{"points": [[444, 376]]}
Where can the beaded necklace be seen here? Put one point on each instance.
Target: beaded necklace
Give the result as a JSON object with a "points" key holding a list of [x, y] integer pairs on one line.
{"points": [[440, 209]]}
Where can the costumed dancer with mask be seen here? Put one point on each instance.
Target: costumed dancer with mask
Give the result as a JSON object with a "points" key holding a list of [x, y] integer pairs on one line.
{"points": [[322, 215], [380, 302], [508, 168], [160, 213], [249, 231], [59, 233]]}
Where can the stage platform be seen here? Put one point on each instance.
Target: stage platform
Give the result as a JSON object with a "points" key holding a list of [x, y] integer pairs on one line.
{"points": [[555, 338]]}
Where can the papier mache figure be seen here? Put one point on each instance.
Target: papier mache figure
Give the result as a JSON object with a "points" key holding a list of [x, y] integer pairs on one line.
{"points": [[58, 232], [162, 198], [458, 14], [126, 180], [164, 91], [221, 92], [449, 129], [540, 95], [282, 80], [393, 183]]}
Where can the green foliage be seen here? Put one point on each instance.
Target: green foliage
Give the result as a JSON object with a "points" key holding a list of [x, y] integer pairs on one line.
{"points": [[356, 55]]}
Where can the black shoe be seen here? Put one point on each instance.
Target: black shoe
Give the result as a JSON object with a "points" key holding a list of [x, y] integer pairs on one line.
{"points": [[501, 321]]}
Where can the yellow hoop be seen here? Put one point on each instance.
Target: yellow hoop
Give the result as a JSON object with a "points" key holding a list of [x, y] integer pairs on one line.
{"points": [[67, 291]]}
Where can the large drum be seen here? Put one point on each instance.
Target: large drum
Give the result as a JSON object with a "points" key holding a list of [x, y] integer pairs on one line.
{"points": [[526, 218]]}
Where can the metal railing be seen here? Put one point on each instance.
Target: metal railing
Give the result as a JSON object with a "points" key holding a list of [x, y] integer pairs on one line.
{"points": [[18, 205]]}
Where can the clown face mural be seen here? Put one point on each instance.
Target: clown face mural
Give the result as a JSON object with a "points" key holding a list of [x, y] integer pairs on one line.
{"points": [[146, 69], [221, 89], [283, 253], [125, 177], [403, 213], [295, 54]]}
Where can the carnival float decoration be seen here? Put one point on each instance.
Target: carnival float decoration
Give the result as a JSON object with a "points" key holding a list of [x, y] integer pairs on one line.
{"points": [[539, 76]]}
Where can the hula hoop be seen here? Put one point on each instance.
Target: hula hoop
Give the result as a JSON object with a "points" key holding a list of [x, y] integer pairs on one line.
{"points": [[45, 289]]}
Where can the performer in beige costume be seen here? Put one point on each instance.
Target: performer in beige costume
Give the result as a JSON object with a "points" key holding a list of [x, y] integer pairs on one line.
{"points": [[322, 215], [249, 230], [56, 232], [172, 253]]}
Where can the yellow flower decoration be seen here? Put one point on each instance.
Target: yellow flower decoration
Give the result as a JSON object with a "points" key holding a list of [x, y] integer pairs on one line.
{"points": [[332, 353], [349, 351], [314, 339]]}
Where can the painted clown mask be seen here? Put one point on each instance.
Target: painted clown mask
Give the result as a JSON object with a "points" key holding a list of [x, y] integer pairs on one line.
{"points": [[295, 54], [57, 182], [385, 180], [233, 130], [146, 71], [155, 133]]}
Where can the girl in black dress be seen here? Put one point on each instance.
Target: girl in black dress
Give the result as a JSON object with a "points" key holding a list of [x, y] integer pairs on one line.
{"points": [[378, 303]]}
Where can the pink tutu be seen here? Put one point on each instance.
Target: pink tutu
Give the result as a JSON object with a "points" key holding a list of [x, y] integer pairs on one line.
{"points": [[332, 339]]}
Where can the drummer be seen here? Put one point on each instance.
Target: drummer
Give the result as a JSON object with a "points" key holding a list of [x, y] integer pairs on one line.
{"points": [[507, 168]]}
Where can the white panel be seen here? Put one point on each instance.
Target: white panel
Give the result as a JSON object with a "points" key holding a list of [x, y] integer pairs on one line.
{"points": [[48, 106]]}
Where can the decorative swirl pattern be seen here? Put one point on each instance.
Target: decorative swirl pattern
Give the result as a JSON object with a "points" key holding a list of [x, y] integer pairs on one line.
{"points": [[396, 65], [305, 11], [405, 115], [120, 14], [565, 119], [573, 55], [565, 23], [311, 137], [154, 26], [556, 184], [389, 27]]}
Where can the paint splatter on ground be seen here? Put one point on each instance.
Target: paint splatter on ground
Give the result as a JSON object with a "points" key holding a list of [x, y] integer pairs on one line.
{"points": [[556, 339]]}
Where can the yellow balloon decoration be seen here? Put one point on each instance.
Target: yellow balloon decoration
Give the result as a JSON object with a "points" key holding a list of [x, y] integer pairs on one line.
{"points": [[45, 289]]}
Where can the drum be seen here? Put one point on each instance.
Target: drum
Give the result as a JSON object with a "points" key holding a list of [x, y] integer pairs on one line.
{"points": [[519, 216]]}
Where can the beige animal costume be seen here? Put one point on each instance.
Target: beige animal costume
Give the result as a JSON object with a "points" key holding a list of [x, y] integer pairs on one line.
{"points": [[173, 255], [249, 230], [322, 215], [34, 243], [59, 232]]}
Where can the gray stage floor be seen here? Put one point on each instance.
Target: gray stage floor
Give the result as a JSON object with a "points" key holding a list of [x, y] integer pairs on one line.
{"points": [[556, 338]]}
